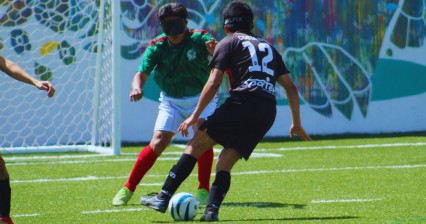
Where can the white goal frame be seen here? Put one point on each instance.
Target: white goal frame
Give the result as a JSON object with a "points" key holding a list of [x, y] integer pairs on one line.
{"points": [[29, 121]]}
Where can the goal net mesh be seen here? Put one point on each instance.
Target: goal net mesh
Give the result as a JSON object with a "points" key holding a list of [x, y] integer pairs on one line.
{"points": [[68, 43]]}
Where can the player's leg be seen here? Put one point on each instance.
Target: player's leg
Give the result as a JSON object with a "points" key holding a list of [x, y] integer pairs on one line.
{"points": [[227, 159], [229, 126], [205, 162], [179, 172], [5, 193], [147, 157], [145, 160], [165, 126]]}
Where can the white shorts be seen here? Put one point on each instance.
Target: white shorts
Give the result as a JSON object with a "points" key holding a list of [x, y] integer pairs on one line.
{"points": [[173, 111]]}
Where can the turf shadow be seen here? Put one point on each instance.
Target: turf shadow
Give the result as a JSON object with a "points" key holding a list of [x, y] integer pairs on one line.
{"points": [[331, 218], [265, 205]]}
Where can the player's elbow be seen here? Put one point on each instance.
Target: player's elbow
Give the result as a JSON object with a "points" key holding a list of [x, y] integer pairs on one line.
{"points": [[291, 90]]}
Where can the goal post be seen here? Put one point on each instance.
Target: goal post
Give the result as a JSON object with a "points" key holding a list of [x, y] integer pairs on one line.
{"points": [[75, 46]]}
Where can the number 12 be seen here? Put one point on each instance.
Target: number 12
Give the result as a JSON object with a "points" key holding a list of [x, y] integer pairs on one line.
{"points": [[265, 60]]}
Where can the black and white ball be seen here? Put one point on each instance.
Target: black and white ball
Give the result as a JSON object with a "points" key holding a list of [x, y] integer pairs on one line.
{"points": [[183, 207]]}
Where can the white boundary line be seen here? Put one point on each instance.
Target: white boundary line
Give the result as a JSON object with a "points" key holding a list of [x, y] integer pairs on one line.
{"points": [[26, 215], [416, 144], [33, 161], [91, 178], [115, 210], [217, 150]]}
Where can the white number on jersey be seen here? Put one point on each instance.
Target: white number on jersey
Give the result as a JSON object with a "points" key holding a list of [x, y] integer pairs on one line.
{"points": [[265, 60]]}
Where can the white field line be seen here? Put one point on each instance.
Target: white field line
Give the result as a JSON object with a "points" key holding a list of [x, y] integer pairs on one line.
{"points": [[77, 161], [25, 215], [217, 150], [102, 160], [346, 200], [416, 144], [115, 210], [91, 178], [64, 157]]}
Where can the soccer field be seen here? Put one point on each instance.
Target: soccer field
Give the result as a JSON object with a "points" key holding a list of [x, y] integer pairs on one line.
{"points": [[348, 180]]}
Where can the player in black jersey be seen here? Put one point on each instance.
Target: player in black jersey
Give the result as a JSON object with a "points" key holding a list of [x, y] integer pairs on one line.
{"points": [[253, 67]]}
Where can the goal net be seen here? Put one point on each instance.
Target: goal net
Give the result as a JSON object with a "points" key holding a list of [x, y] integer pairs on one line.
{"points": [[71, 44]]}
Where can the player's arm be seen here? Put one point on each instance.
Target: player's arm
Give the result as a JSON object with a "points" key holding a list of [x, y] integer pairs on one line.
{"points": [[210, 42], [208, 93], [147, 65], [15, 71], [137, 85], [211, 45], [293, 101]]}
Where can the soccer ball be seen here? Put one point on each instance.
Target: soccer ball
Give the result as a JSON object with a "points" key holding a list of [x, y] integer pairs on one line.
{"points": [[183, 207]]}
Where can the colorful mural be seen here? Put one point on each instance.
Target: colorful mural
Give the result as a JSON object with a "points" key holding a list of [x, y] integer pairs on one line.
{"points": [[332, 47], [342, 54], [55, 40], [61, 17]]}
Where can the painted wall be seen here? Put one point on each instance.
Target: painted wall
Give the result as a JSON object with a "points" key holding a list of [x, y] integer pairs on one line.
{"points": [[359, 65]]}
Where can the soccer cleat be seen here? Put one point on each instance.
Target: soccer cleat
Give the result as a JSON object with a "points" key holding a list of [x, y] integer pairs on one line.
{"points": [[202, 196], [152, 201], [210, 216], [7, 220], [122, 197]]}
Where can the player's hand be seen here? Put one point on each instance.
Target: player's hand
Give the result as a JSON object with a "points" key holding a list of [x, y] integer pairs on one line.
{"points": [[183, 128], [45, 85], [136, 95], [299, 131], [211, 45]]}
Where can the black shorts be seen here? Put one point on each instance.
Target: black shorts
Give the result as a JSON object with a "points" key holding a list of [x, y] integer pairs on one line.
{"points": [[241, 122]]}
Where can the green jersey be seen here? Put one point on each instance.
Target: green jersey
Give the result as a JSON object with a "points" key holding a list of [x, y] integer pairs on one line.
{"points": [[180, 70]]}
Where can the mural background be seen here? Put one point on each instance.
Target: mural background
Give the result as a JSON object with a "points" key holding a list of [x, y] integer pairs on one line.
{"points": [[359, 65]]}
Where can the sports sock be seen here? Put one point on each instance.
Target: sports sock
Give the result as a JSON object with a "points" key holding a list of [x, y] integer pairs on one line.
{"points": [[143, 163], [178, 174], [205, 163], [219, 189], [5, 196]]}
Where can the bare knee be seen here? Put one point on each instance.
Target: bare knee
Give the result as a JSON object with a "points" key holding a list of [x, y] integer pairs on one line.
{"points": [[160, 140], [199, 144], [227, 159]]}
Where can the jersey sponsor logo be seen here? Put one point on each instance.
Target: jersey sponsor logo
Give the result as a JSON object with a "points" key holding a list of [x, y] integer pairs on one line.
{"points": [[191, 54], [245, 37], [264, 84]]}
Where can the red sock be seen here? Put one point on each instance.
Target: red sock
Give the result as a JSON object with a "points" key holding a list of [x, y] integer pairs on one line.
{"points": [[205, 163], [144, 162]]}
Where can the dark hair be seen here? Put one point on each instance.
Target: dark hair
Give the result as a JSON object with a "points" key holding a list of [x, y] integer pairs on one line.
{"points": [[238, 16], [172, 9]]}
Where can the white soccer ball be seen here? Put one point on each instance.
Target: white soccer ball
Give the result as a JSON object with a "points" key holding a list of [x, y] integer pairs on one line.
{"points": [[183, 207]]}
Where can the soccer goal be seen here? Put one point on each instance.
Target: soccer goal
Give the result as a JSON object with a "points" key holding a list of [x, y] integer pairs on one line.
{"points": [[74, 45]]}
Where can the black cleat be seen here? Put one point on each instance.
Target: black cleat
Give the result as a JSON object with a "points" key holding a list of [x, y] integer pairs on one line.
{"points": [[152, 201], [210, 216]]}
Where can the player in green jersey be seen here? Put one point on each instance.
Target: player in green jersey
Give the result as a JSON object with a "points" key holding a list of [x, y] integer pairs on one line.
{"points": [[178, 60]]}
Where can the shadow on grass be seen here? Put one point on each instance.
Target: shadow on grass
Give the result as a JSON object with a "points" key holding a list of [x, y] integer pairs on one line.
{"points": [[265, 205], [271, 205], [333, 218], [294, 219]]}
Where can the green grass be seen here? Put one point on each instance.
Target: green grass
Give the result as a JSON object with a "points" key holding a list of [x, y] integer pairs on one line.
{"points": [[348, 180]]}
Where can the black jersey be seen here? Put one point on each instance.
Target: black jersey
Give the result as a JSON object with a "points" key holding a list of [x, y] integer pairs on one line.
{"points": [[251, 63]]}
